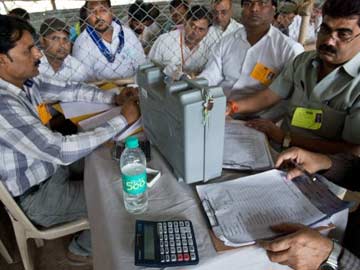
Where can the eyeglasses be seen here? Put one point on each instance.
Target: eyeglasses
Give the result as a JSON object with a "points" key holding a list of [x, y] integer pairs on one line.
{"points": [[341, 35], [261, 3]]}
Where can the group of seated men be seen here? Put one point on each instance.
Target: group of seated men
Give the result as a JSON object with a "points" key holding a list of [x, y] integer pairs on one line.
{"points": [[265, 75]]}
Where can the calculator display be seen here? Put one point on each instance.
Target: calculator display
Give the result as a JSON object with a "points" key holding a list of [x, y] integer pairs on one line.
{"points": [[149, 242]]}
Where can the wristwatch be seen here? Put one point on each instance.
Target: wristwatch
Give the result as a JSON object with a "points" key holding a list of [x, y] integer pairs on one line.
{"points": [[332, 261], [286, 141]]}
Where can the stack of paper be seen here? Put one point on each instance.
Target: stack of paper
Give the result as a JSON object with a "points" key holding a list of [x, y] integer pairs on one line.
{"points": [[242, 210], [102, 118], [75, 109], [245, 148]]}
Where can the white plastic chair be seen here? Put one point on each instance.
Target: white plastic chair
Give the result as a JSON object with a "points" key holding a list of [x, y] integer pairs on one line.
{"points": [[24, 229], [5, 253]]}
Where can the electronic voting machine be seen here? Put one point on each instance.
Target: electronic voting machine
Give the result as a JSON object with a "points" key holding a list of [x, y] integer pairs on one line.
{"points": [[185, 120]]}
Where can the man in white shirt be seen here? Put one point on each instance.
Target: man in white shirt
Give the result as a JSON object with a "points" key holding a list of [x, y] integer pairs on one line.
{"points": [[184, 50], [248, 60], [57, 63], [142, 20], [224, 24], [315, 22], [109, 49], [178, 10]]}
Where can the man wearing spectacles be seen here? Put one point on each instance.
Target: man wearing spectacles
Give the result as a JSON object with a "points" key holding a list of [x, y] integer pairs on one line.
{"points": [[224, 24], [322, 88], [247, 61]]}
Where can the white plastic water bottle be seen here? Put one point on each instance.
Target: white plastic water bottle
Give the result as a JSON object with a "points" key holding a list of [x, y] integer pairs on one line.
{"points": [[133, 174]]}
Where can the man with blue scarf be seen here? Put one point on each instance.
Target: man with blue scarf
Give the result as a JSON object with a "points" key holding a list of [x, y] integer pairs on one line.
{"points": [[109, 49]]}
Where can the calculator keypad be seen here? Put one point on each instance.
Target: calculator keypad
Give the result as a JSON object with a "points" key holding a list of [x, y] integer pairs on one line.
{"points": [[176, 242]]}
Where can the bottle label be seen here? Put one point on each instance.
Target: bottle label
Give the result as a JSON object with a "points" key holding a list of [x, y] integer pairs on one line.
{"points": [[134, 184]]}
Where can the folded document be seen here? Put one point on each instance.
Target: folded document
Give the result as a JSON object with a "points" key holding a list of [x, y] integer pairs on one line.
{"points": [[241, 211]]}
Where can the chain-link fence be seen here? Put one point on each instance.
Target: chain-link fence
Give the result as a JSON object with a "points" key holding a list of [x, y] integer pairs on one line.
{"points": [[99, 41]]}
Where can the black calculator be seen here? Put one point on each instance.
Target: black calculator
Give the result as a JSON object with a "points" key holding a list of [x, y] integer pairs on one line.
{"points": [[165, 243]]}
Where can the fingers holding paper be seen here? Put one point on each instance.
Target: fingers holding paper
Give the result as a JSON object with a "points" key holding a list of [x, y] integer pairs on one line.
{"points": [[302, 249], [269, 128], [310, 161]]}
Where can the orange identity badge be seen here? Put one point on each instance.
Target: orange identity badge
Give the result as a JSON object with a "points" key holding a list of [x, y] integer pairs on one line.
{"points": [[263, 74], [44, 113]]}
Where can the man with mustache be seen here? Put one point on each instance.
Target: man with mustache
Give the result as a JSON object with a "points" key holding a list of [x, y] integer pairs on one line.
{"points": [[57, 63], [322, 88], [248, 60], [183, 50], [109, 49], [34, 161]]}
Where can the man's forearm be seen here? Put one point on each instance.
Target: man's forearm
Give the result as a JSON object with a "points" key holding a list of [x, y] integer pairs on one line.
{"points": [[257, 102], [324, 146]]}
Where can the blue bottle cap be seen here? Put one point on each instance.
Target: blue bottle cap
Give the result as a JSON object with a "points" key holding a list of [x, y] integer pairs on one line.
{"points": [[132, 142]]}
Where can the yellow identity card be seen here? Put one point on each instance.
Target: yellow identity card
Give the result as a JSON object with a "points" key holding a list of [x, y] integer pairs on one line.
{"points": [[307, 118], [44, 113], [263, 74]]}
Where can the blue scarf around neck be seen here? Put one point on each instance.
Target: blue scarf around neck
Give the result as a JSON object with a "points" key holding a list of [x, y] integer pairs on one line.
{"points": [[100, 44]]}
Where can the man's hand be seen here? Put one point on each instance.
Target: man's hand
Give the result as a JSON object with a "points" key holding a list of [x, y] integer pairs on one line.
{"points": [[302, 249], [125, 94], [131, 110], [269, 128], [310, 161]]}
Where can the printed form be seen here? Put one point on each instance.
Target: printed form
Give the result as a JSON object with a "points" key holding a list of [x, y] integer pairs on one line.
{"points": [[242, 210], [245, 148]]}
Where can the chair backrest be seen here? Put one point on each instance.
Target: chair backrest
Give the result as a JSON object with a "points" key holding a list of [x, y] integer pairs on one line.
{"points": [[13, 209]]}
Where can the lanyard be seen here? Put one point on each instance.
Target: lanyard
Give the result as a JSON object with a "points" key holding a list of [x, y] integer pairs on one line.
{"points": [[100, 44], [183, 59]]}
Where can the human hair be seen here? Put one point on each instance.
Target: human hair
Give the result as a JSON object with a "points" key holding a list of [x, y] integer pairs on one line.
{"points": [[198, 12], [342, 8], [177, 3], [141, 11], [20, 12], [83, 17], [108, 2], [273, 2], [12, 29], [216, 2]]}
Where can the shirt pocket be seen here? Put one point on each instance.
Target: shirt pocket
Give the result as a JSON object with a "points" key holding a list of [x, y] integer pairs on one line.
{"points": [[332, 123]]}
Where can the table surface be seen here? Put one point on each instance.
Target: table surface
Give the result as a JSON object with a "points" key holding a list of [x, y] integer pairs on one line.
{"points": [[113, 228]]}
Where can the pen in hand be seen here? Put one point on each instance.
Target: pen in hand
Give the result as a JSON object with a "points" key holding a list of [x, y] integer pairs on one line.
{"points": [[310, 176]]}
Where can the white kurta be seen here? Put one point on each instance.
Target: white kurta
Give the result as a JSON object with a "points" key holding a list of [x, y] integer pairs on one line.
{"points": [[70, 70], [126, 62], [215, 33], [294, 29], [167, 50], [233, 60]]}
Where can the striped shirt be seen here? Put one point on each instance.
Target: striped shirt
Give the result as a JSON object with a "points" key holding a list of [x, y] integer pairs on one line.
{"points": [[349, 261], [29, 151]]}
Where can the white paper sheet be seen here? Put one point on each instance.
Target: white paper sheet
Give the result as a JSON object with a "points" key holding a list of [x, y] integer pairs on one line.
{"points": [[245, 148], [75, 109], [129, 130], [242, 210], [98, 120]]}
